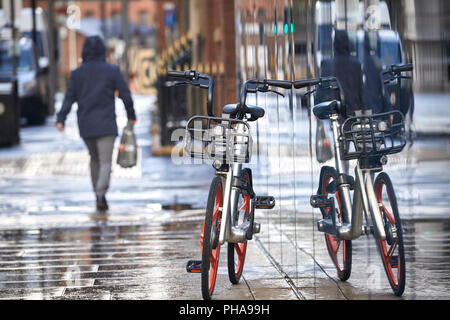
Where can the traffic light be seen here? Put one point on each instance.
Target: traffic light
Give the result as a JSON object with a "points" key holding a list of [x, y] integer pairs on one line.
{"points": [[286, 15], [275, 29]]}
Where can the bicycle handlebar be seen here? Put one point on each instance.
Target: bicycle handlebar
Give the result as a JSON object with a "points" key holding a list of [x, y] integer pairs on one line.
{"points": [[194, 78], [247, 87], [285, 84], [398, 68], [176, 74], [312, 82]]}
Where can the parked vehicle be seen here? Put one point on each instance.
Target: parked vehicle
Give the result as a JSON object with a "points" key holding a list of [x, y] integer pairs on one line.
{"points": [[327, 19], [388, 50], [32, 88], [34, 77]]}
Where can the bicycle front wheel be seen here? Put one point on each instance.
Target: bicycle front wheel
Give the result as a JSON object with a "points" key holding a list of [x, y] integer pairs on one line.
{"points": [[237, 251], [340, 251], [209, 238], [391, 250]]}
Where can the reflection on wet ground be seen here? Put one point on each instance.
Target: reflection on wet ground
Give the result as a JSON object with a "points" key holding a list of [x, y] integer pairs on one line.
{"points": [[147, 261], [312, 271], [98, 262]]}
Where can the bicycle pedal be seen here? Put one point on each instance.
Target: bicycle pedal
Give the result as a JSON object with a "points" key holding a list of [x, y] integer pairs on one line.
{"points": [[394, 261], [194, 266], [319, 201], [264, 202]]}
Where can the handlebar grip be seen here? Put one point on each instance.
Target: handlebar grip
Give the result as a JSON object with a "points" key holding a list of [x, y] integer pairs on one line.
{"points": [[397, 68], [176, 74], [402, 68], [285, 84], [305, 83]]}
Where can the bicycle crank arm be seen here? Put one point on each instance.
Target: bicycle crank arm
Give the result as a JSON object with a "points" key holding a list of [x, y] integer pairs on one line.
{"points": [[328, 223], [239, 233]]}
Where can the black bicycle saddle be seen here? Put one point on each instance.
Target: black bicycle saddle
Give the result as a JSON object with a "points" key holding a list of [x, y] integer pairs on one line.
{"points": [[254, 111], [325, 109]]}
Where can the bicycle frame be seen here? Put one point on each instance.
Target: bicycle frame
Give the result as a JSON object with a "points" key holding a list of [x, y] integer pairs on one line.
{"points": [[228, 232], [364, 200]]}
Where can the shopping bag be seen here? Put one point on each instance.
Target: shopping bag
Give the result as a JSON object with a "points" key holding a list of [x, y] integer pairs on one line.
{"points": [[323, 146], [127, 155]]}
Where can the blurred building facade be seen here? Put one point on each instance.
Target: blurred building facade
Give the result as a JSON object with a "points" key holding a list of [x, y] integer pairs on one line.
{"points": [[203, 32], [75, 20], [426, 31], [287, 39]]}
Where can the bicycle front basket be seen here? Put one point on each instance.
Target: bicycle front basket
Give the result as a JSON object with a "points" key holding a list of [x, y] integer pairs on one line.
{"points": [[213, 138], [373, 135]]}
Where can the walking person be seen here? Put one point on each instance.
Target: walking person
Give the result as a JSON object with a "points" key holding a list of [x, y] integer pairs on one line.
{"points": [[348, 71], [92, 86]]}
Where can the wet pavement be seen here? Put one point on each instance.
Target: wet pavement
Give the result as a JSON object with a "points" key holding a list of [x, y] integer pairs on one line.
{"points": [[54, 245]]}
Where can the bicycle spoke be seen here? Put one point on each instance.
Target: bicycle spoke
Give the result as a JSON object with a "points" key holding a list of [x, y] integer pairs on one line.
{"points": [[388, 215], [391, 250], [239, 250], [212, 260], [216, 211]]}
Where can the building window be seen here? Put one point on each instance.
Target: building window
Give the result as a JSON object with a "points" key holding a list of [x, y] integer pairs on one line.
{"points": [[115, 15], [143, 18], [89, 14]]}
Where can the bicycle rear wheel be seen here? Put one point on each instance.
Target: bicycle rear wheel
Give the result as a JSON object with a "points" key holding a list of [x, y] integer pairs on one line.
{"points": [[340, 251], [391, 250], [239, 250], [209, 238]]}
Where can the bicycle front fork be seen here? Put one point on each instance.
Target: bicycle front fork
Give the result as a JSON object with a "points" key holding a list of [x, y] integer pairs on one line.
{"points": [[364, 200], [234, 186]]}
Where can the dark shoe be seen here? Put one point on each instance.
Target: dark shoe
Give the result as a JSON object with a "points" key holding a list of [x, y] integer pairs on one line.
{"points": [[102, 205]]}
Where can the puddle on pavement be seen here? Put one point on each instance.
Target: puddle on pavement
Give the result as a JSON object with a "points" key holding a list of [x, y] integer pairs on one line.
{"points": [[123, 260], [177, 206]]}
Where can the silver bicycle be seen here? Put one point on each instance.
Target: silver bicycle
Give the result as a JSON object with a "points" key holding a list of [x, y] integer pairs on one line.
{"points": [[227, 143], [369, 139]]}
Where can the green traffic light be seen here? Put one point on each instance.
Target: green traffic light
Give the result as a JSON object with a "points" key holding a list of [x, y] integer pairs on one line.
{"points": [[275, 28], [292, 28], [286, 28]]}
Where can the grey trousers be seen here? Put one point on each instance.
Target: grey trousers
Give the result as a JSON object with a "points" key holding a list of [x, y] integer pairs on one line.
{"points": [[100, 150]]}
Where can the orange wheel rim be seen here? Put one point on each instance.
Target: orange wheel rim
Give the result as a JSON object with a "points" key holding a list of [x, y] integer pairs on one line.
{"points": [[388, 253], [334, 244], [214, 253], [241, 248]]}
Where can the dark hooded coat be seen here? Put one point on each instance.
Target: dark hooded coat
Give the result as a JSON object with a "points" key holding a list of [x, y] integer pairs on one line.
{"points": [[347, 70], [373, 87], [92, 86]]}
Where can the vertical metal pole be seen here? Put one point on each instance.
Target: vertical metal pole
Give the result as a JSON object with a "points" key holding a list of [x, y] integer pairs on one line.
{"points": [[34, 34], [102, 15], [52, 62], [125, 35], [33, 22], [13, 30], [345, 13]]}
